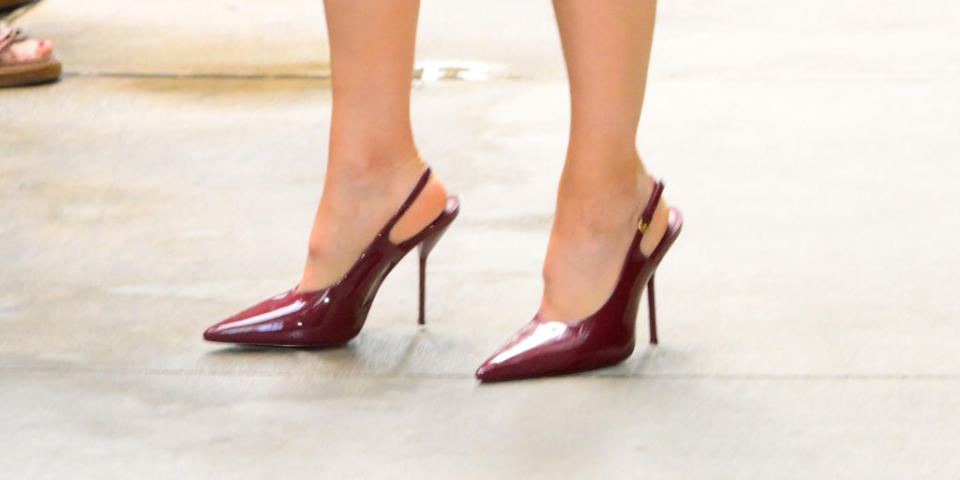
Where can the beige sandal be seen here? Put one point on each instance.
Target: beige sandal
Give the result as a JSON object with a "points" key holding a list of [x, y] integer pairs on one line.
{"points": [[13, 74]]}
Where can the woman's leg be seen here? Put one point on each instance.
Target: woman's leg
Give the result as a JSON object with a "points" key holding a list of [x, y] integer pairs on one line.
{"points": [[604, 186], [373, 162]]}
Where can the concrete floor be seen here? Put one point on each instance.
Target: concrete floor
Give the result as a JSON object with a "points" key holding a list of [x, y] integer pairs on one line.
{"points": [[809, 313]]}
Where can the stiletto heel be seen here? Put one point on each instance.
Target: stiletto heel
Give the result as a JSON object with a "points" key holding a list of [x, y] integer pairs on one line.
{"points": [[424, 249], [651, 303], [423, 282], [335, 314], [605, 337]]}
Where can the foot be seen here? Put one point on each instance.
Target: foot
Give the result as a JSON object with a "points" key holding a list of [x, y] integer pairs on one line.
{"points": [[26, 50], [597, 217], [355, 205]]}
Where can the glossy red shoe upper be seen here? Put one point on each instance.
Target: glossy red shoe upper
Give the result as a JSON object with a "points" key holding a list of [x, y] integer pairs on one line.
{"points": [[606, 337], [335, 314]]}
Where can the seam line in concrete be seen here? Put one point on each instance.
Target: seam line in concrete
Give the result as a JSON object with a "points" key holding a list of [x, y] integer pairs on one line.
{"points": [[427, 376], [882, 77], [200, 76]]}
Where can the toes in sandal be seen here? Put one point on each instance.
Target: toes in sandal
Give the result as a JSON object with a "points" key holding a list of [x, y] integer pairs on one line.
{"points": [[27, 72]]}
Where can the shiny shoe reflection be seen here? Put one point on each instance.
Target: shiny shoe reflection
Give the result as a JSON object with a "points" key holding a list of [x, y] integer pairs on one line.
{"points": [[335, 314], [606, 337]]}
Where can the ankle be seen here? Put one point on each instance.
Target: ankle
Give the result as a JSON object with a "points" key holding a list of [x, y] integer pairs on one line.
{"points": [[610, 161], [599, 197], [602, 193], [359, 147], [372, 166]]}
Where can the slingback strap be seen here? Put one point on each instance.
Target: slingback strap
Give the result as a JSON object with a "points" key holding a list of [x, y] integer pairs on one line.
{"points": [[406, 203], [647, 216]]}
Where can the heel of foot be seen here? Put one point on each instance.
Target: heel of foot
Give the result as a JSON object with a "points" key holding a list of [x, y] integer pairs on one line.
{"points": [[657, 229], [424, 210]]}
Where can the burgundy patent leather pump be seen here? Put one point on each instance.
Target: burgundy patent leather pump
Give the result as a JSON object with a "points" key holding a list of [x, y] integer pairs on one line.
{"points": [[606, 337], [335, 314]]}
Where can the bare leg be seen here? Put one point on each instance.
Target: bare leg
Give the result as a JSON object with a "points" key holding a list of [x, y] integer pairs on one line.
{"points": [[373, 162], [604, 186]]}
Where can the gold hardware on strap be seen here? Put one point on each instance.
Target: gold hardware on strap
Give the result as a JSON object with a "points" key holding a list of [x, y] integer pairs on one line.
{"points": [[644, 226]]}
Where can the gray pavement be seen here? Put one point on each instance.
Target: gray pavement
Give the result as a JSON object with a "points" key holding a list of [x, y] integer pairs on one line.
{"points": [[809, 313]]}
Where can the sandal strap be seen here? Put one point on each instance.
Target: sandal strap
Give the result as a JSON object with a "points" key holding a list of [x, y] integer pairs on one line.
{"points": [[12, 35], [407, 203], [647, 216]]}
